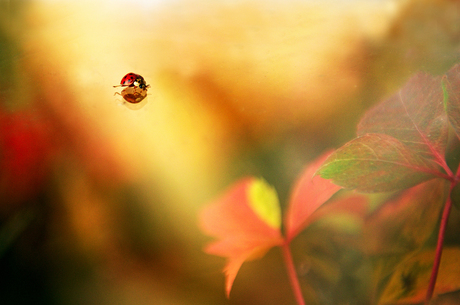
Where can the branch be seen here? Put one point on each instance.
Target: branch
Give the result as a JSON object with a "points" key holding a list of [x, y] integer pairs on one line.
{"points": [[437, 259], [292, 274]]}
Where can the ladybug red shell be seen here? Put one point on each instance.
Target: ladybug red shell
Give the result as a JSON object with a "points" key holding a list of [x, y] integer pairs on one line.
{"points": [[130, 80]]}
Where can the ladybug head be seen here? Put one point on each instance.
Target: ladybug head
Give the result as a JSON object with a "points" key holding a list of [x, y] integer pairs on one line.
{"points": [[141, 82]]}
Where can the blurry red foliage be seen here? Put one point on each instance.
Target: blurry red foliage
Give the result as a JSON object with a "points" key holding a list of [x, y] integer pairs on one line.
{"points": [[26, 148]]}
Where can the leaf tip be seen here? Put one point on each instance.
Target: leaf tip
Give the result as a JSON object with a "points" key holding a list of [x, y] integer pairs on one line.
{"points": [[231, 270]]}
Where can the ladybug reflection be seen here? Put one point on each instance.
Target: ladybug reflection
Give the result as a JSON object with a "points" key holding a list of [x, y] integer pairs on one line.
{"points": [[136, 88]]}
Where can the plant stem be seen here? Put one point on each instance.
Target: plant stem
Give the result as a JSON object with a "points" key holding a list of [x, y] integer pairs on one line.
{"points": [[437, 259], [292, 274]]}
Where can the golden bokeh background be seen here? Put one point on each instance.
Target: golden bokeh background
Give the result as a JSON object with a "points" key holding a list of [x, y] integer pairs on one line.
{"points": [[99, 201]]}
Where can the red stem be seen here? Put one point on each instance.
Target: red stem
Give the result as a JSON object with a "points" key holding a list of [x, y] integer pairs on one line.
{"points": [[292, 274], [437, 259], [446, 167]]}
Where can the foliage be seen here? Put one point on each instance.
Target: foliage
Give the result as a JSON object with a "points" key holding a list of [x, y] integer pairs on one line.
{"points": [[404, 145]]}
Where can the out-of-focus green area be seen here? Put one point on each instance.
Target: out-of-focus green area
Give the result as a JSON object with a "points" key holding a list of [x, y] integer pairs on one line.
{"points": [[99, 202]]}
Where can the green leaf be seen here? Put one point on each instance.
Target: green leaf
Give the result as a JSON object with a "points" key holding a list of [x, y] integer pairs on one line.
{"points": [[377, 163], [415, 116], [409, 282]]}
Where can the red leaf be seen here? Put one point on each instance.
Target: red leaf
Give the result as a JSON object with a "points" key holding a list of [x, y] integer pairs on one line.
{"points": [[415, 116], [241, 232], [451, 84], [309, 193], [377, 163], [404, 223]]}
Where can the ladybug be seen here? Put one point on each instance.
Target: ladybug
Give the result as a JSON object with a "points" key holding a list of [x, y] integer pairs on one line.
{"points": [[136, 88], [131, 79]]}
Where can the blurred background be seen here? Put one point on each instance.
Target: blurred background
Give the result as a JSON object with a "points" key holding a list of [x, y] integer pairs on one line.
{"points": [[99, 201]]}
